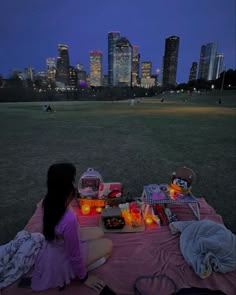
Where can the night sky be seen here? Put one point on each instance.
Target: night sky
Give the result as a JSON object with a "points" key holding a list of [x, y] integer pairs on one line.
{"points": [[30, 30]]}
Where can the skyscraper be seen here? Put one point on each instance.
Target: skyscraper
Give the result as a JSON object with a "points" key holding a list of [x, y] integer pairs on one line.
{"points": [[72, 77], [29, 73], [170, 61], [51, 67], [147, 80], [63, 64], [193, 72], [96, 68], [123, 56], [218, 66], [146, 69], [112, 38], [51, 63], [207, 61], [135, 66], [81, 75]]}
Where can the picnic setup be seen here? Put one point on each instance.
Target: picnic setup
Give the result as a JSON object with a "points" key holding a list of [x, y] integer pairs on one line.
{"points": [[165, 241], [118, 215]]}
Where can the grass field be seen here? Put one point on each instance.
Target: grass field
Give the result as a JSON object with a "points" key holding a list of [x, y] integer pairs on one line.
{"points": [[134, 145]]}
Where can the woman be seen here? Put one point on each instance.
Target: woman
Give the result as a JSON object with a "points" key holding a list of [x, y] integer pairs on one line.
{"points": [[66, 254]]}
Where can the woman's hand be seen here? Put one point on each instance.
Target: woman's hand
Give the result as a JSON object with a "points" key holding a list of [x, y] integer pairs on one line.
{"points": [[94, 283]]}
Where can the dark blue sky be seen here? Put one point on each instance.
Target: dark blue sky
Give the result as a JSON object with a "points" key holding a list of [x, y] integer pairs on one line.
{"points": [[30, 30]]}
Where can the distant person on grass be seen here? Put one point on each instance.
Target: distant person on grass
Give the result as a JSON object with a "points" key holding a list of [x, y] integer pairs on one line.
{"points": [[68, 251], [47, 108]]}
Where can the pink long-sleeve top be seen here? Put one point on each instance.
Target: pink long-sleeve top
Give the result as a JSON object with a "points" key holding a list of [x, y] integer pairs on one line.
{"points": [[63, 259]]}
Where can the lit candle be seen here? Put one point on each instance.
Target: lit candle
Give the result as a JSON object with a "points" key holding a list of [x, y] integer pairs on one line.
{"points": [[127, 216], [98, 209], [172, 193], [148, 220], [85, 209]]}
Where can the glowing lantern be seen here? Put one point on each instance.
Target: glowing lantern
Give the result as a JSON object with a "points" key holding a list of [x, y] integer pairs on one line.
{"points": [[85, 209], [99, 209]]}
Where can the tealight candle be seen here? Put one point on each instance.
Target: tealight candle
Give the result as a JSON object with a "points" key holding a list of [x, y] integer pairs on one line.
{"points": [[98, 209], [148, 220], [85, 209]]}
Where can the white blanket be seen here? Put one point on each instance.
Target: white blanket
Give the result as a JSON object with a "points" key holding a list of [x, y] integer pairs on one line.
{"points": [[18, 256], [207, 246]]}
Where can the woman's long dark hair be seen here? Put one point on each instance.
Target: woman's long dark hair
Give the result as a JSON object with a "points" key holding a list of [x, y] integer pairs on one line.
{"points": [[60, 185]]}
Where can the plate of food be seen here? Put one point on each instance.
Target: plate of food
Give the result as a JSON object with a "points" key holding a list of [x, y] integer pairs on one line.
{"points": [[114, 222]]}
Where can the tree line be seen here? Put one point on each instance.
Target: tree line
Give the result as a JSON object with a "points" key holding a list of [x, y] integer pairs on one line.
{"points": [[15, 89]]}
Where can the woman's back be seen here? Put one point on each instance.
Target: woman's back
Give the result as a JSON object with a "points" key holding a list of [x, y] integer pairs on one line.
{"points": [[62, 259]]}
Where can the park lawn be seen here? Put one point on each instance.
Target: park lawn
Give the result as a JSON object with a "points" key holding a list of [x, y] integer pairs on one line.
{"points": [[134, 145]]}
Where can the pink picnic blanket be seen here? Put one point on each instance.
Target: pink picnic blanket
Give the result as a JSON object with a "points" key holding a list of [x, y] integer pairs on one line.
{"points": [[154, 251]]}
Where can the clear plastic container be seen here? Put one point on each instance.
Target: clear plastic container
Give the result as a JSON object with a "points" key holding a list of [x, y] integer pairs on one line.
{"points": [[89, 182]]}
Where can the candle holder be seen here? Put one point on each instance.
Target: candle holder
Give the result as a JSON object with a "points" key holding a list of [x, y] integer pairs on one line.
{"points": [[127, 216], [85, 209], [99, 209], [136, 217], [149, 220]]}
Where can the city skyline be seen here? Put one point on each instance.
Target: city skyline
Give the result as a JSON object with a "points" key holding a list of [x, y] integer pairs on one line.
{"points": [[31, 32]]}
